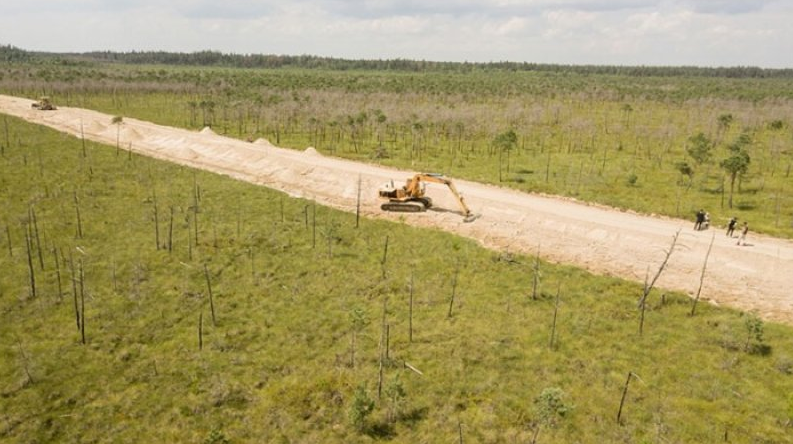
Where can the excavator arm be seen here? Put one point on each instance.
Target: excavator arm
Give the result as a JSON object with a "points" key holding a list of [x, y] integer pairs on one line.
{"points": [[437, 178]]}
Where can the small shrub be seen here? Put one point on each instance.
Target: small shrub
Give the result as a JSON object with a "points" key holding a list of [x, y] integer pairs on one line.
{"points": [[358, 319], [216, 437], [785, 365], [552, 405], [223, 394], [380, 153], [632, 179], [395, 393], [360, 409], [684, 169], [754, 334]]}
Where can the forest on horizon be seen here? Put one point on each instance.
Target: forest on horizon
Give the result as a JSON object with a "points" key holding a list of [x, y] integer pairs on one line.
{"points": [[9, 53]]}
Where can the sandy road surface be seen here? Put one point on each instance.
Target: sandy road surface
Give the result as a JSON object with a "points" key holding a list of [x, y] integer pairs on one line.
{"points": [[757, 277]]}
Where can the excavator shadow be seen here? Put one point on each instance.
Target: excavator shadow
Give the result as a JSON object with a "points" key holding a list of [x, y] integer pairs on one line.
{"points": [[467, 218]]}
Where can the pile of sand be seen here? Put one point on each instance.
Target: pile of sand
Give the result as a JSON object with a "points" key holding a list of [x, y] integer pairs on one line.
{"points": [[208, 131], [93, 127], [128, 134]]}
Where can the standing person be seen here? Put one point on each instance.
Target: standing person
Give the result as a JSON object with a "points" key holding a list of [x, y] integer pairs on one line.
{"points": [[744, 230], [700, 219], [731, 226]]}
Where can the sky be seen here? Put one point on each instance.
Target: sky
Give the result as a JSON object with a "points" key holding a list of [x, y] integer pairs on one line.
{"points": [[599, 32]]}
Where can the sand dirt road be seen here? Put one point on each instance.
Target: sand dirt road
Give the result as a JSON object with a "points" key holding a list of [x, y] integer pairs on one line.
{"points": [[757, 277]]}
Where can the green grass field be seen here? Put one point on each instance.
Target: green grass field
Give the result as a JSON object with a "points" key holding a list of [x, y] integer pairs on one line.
{"points": [[302, 298]]}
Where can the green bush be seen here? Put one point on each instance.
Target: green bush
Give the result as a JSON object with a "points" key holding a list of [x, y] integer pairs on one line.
{"points": [[360, 408], [552, 405]]}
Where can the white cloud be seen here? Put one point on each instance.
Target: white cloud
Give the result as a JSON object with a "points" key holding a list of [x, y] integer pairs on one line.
{"points": [[398, 25], [726, 6], [568, 23], [671, 24], [630, 32]]}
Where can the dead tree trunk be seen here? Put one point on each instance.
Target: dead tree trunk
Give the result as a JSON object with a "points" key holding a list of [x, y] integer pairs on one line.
{"points": [[74, 290], [211, 301], [32, 273], [536, 277], [200, 331], [702, 275], [35, 235], [385, 257], [25, 360], [555, 315], [156, 220], [58, 274], [82, 302], [649, 287], [624, 394], [382, 348], [79, 219], [358, 204], [454, 288], [8, 238], [410, 311]]}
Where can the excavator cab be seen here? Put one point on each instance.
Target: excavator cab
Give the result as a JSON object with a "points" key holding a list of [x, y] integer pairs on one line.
{"points": [[390, 191], [404, 199]]}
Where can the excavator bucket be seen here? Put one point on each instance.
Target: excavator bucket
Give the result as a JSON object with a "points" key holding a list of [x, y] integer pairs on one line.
{"points": [[471, 217]]}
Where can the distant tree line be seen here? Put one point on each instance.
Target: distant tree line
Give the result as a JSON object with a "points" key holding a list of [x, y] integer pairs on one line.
{"points": [[270, 61]]}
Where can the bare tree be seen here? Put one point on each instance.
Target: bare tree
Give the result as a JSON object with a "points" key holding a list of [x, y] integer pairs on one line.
{"points": [[702, 275], [649, 286]]}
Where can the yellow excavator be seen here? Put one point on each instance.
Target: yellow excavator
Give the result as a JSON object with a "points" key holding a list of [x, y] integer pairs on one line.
{"points": [[412, 198], [44, 104]]}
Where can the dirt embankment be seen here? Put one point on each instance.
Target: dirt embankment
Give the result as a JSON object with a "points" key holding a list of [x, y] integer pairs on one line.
{"points": [[756, 277]]}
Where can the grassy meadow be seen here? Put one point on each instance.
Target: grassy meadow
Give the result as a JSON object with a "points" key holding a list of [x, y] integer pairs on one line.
{"points": [[617, 140], [146, 302]]}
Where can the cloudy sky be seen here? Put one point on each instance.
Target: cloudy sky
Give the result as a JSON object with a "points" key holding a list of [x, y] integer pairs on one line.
{"points": [[621, 32]]}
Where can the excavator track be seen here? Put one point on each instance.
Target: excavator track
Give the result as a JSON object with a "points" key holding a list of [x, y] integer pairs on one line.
{"points": [[413, 206]]}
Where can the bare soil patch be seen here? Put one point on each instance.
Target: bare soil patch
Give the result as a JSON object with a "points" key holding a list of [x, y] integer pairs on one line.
{"points": [[756, 277]]}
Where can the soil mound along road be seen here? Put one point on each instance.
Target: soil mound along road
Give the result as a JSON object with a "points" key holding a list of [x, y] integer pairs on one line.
{"points": [[758, 277]]}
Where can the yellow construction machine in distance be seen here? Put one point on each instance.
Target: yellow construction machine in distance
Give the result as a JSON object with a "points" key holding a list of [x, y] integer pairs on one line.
{"points": [[412, 198], [44, 104]]}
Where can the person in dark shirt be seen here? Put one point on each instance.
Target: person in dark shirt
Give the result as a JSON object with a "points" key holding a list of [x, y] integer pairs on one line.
{"points": [[731, 226], [700, 219]]}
